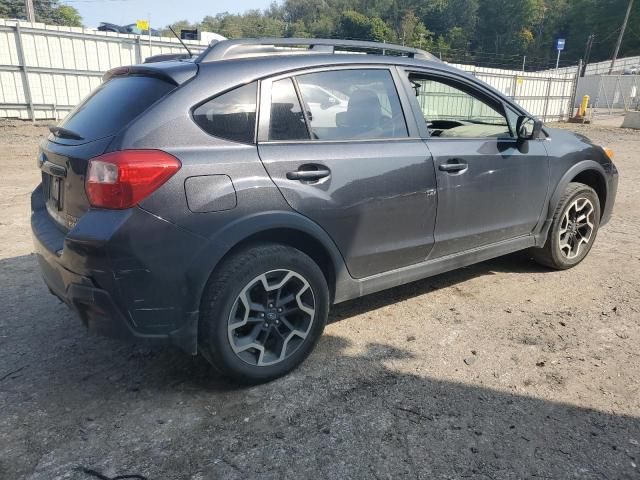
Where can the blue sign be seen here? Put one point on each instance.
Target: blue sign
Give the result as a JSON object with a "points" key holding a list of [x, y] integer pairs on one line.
{"points": [[560, 43]]}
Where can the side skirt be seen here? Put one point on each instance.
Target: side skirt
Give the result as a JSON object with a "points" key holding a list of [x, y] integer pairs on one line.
{"points": [[348, 289]]}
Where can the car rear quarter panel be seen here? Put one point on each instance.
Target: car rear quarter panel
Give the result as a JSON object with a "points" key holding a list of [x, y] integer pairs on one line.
{"points": [[259, 206]]}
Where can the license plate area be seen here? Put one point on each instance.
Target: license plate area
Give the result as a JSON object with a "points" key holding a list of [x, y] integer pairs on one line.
{"points": [[53, 191]]}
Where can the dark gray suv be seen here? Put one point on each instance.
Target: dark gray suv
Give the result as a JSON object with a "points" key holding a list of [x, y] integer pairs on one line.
{"points": [[223, 203]]}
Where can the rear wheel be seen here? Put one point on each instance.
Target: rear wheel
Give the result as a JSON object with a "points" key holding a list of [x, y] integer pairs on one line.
{"points": [[262, 312], [574, 229]]}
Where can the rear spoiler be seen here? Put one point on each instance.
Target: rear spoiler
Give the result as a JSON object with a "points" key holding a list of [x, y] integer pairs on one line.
{"points": [[167, 56], [176, 72]]}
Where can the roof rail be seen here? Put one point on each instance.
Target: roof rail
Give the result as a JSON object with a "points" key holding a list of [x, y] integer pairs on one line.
{"points": [[249, 47]]}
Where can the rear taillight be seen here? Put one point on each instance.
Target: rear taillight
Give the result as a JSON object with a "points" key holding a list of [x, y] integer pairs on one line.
{"points": [[122, 179]]}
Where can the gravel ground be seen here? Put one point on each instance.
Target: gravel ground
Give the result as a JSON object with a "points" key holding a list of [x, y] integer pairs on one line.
{"points": [[503, 370]]}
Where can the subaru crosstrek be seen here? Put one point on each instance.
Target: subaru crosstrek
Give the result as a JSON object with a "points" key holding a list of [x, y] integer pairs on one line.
{"points": [[222, 203]]}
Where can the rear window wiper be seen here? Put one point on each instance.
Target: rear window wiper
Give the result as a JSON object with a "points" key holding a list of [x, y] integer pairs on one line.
{"points": [[65, 133]]}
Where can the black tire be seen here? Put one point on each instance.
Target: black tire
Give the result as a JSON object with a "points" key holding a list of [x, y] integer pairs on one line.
{"points": [[551, 255], [221, 299]]}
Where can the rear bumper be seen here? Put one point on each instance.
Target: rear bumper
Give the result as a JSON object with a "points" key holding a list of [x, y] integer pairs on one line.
{"points": [[120, 288]]}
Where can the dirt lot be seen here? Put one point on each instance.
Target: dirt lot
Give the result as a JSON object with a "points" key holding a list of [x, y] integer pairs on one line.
{"points": [[498, 371]]}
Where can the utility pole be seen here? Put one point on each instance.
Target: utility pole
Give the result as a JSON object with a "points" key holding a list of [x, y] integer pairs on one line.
{"points": [[587, 53], [620, 37], [31, 14]]}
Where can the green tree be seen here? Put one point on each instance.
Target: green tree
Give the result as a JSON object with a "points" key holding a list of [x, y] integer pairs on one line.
{"points": [[380, 31], [501, 23], [177, 26], [458, 39], [354, 25], [412, 32], [68, 16], [500, 30], [46, 11]]}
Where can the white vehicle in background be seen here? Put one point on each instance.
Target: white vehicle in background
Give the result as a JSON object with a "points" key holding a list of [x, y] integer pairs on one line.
{"points": [[211, 36], [323, 104]]}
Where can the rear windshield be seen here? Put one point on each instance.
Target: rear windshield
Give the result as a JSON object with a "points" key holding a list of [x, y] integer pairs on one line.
{"points": [[113, 105]]}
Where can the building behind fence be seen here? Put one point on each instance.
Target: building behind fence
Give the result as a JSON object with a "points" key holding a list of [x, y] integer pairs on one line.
{"points": [[46, 70]]}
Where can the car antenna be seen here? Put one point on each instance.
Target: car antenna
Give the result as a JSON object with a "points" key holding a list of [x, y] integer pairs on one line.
{"points": [[183, 44]]}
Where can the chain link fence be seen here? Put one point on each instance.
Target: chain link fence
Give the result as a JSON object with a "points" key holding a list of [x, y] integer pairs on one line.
{"points": [[609, 95]]}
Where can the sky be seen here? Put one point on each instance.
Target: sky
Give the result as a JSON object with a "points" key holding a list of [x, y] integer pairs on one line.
{"points": [[162, 12]]}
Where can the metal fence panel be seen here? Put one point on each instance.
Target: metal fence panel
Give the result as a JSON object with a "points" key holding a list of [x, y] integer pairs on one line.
{"points": [[609, 94], [46, 70], [547, 97]]}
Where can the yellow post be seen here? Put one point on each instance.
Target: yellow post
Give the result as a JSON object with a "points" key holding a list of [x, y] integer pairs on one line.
{"points": [[582, 111]]}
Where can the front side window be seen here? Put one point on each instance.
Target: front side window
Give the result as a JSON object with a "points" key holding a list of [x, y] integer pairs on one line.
{"points": [[231, 116], [451, 111], [352, 104]]}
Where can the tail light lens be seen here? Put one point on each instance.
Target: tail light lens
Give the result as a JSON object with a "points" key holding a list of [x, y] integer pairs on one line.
{"points": [[119, 180]]}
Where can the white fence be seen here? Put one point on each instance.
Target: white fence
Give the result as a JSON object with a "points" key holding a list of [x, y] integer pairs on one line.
{"points": [[545, 95], [609, 94], [602, 68], [46, 70]]}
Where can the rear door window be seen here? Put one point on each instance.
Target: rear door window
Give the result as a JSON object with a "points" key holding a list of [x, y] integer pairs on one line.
{"points": [[287, 120], [231, 116], [113, 105]]}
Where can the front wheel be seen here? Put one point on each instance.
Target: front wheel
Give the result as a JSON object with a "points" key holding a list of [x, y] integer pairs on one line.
{"points": [[262, 312], [574, 229]]}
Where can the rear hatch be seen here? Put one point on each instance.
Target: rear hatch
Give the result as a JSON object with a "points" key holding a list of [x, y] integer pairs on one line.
{"points": [[88, 130]]}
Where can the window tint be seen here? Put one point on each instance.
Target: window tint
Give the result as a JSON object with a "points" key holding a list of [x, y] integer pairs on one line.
{"points": [[114, 104], [453, 112], [352, 104], [287, 120], [231, 115]]}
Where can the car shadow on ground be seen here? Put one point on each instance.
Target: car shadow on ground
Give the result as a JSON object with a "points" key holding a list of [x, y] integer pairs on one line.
{"points": [[72, 400], [518, 262], [42, 322]]}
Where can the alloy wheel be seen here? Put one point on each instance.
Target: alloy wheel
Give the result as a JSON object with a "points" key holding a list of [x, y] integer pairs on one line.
{"points": [[576, 228], [271, 317]]}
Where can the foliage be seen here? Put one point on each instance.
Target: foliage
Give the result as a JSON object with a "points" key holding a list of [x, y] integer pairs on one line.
{"points": [[354, 25], [498, 32], [47, 11]]}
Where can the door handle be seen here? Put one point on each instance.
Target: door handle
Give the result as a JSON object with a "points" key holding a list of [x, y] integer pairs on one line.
{"points": [[453, 166], [309, 175]]}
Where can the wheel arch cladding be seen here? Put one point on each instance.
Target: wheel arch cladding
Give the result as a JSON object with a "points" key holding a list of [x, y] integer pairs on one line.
{"points": [[299, 240], [587, 172], [594, 179], [288, 228]]}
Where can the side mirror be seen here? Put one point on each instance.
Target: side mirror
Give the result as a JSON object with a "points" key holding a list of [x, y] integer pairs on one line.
{"points": [[528, 128]]}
